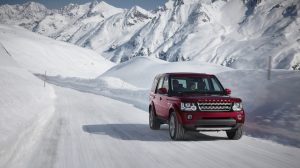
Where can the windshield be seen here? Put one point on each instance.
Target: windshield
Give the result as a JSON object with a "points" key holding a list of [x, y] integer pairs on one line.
{"points": [[209, 85]]}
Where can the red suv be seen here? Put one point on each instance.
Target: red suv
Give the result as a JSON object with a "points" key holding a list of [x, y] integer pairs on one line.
{"points": [[194, 102]]}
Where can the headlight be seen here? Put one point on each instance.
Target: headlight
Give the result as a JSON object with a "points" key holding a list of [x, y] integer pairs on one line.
{"points": [[188, 107], [237, 106]]}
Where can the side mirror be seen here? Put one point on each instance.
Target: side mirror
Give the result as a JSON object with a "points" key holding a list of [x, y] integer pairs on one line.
{"points": [[228, 91], [162, 91]]}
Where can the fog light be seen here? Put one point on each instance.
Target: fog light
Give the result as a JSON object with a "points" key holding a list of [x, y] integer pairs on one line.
{"points": [[190, 116], [239, 117]]}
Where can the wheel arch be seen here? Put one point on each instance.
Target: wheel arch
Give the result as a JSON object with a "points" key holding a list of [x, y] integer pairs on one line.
{"points": [[174, 108], [150, 106]]}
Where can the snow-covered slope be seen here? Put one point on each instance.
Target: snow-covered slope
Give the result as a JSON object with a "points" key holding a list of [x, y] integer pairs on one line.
{"points": [[26, 15], [236, 33], [61, 24], [117, 30], [39, 54], [78, 21]]}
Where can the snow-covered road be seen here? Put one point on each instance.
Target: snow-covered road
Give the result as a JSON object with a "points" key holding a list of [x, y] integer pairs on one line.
{"points": [[88, 130]]}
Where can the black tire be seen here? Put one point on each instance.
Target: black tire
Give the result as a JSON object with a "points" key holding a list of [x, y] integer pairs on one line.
{"points": [[176, 129], [153, 121], [235, 134]]}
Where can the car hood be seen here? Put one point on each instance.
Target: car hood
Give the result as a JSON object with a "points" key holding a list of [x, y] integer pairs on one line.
{"points": [[208, 98]]}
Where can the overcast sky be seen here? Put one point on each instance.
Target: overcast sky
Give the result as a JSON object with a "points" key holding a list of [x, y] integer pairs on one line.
{"points": [[147, 4]]}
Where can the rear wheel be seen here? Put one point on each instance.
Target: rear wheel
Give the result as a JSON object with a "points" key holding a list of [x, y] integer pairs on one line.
{"points": [[176, 129], [235, 134], [153, 121]]}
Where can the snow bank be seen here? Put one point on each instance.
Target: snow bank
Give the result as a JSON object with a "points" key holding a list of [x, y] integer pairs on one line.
{"points": [[107, 86], [140, 71]]}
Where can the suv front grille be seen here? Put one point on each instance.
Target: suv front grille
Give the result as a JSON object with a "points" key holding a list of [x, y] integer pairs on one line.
{"points": [[214, 106]]}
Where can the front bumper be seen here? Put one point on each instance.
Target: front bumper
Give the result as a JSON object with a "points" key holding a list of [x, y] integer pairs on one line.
{"points": [[212, 127], [212, 121]]}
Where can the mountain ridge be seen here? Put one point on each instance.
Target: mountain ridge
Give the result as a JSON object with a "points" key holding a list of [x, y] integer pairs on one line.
{"points": [[240, 34]]}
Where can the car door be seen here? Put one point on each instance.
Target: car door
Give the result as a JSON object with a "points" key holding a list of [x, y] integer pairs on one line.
{"points": [[163, 98], [156, 97]]}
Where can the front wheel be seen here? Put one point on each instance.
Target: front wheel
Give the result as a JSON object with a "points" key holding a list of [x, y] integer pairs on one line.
{"points": [[235, 134], [153, 121], [176, 129]]}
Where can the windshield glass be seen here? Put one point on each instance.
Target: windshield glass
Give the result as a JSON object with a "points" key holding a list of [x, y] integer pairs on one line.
{"points": [[196, 85]]}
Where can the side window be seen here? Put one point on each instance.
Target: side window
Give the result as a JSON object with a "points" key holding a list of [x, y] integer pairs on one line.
{"points": [[160, 83], [166, 83]]}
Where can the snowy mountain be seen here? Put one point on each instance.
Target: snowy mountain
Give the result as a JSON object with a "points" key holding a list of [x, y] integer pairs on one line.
{"points": [[92, 111], [27, 15], [240, 34], [235, 33]]}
